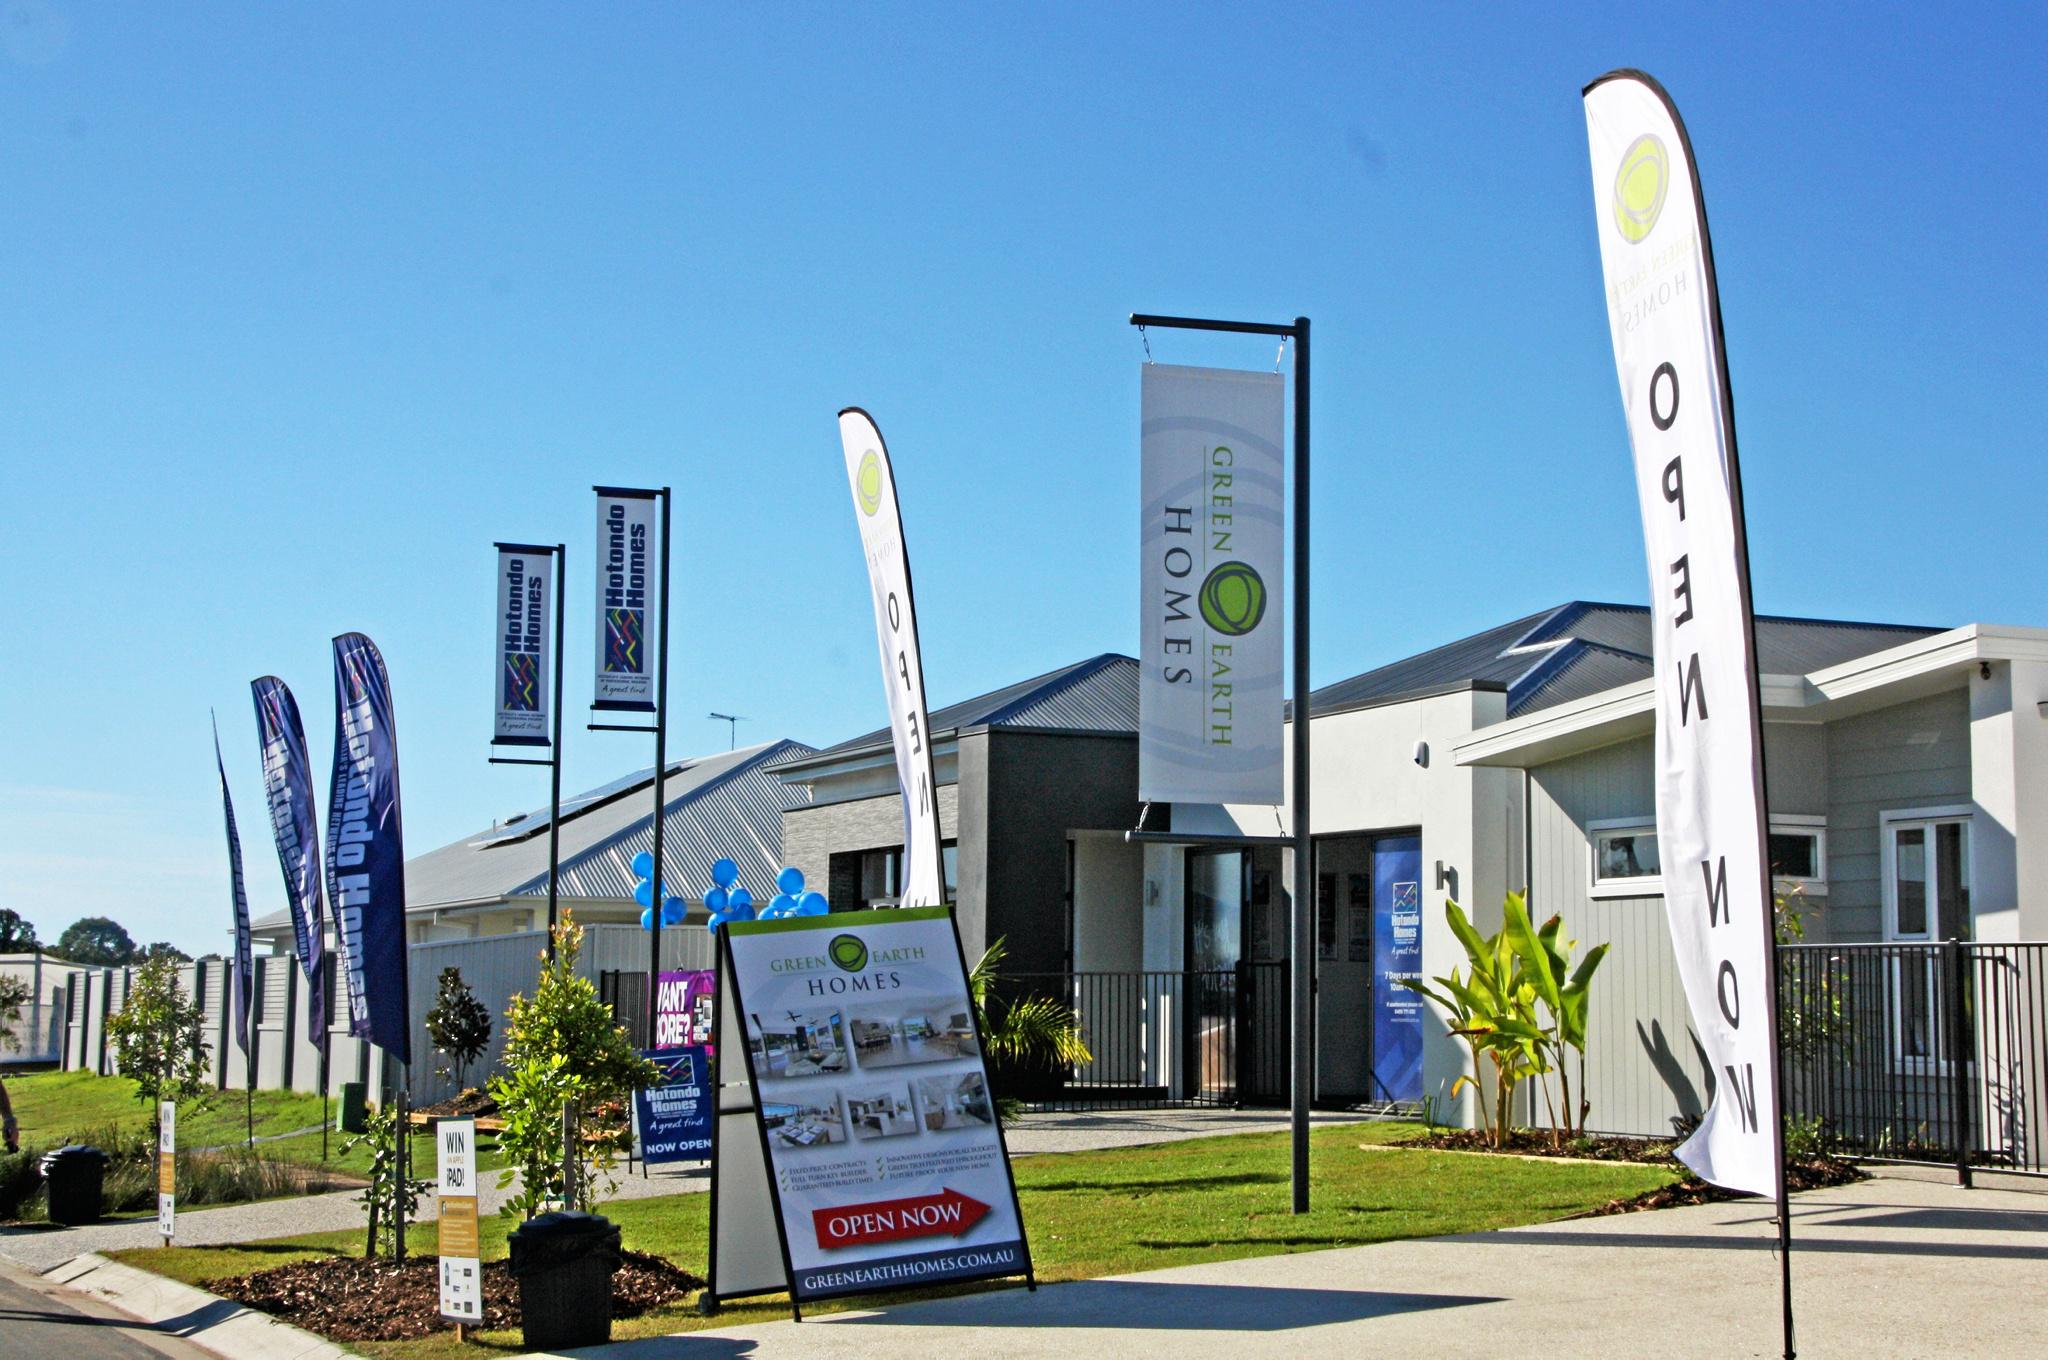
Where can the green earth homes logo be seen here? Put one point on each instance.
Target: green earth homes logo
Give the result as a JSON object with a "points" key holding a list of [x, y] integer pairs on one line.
{"points": [[849, 952], [1233, 599], [1640, 186], [868, 488]]}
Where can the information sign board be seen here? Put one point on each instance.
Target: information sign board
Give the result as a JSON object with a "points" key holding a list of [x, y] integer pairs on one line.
{"points": [[462, 1277]]}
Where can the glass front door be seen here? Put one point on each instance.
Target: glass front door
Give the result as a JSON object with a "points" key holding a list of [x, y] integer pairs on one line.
{"points": [[1215, 948], [1927, 900]]}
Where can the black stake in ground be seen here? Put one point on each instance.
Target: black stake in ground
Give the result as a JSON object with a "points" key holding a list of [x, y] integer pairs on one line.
{"points": [[1302, 930]]}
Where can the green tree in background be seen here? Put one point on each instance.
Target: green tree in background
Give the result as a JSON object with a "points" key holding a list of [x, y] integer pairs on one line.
{"points": [[96, 940], [458, 1024], [165, 949], [17, 936], [159, 1037]]}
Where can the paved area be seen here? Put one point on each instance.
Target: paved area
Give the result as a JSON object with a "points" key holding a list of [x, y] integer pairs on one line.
{"points": [[1891, 1267], [40, 1248], [42, 1321]]}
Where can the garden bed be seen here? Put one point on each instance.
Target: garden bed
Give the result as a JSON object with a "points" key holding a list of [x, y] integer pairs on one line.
{"points": [[1814, 1172], [346, 1298]]}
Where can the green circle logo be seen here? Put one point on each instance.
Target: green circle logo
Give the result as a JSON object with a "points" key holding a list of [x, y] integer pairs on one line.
{"points": [[1639, 188], [848, 952], [1233, 599], [869, 483]]}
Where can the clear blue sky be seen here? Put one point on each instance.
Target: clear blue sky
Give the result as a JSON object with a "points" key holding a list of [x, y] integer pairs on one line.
{"points": [[306, 305]]}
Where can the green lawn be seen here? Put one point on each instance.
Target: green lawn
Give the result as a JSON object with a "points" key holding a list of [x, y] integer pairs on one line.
{"points": [[1099, 1213], [61, 1107]]}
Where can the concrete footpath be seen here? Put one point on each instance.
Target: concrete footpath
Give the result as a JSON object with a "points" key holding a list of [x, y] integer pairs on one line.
{"points": [[41, 1247], [1895, 1266]]}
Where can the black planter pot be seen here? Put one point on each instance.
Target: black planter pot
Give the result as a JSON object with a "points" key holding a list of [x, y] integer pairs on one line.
{"points": [[76, 1175], [564, 1263]]}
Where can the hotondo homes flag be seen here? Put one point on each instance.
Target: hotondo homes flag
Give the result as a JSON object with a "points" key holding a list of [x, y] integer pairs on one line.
{"points": [[244, 978], [366, 848], [626, 587], [881, 539], [1210, 701], [1668, 353], [525, 578], [288, 789]]}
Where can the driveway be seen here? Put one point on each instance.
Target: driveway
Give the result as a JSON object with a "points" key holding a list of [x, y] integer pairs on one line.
{"points": [[1891, 1267]]}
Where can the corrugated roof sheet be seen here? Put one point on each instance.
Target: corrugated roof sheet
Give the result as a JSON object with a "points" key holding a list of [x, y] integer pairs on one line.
{"points": [[723, 805], [1096, 695], [1583, 647]]}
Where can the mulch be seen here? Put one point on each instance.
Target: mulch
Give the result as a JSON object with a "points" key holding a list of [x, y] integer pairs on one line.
{"points": [[470, 1104], [346, 1298], [1806, 1173]]}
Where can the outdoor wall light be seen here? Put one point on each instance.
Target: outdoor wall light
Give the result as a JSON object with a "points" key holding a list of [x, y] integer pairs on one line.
{"points": [[1422, 754]]}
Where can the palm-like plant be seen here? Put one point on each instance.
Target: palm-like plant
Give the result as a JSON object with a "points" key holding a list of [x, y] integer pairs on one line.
{"points": [[1026, 1030], [1563, 991]]}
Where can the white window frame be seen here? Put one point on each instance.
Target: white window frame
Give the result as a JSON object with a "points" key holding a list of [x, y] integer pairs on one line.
{"points": [[1652, 885], [1801, 824], [1888, 881], [1645, 885]]}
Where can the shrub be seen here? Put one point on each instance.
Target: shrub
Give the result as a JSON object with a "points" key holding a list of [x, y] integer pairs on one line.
{"points": [[159, 1037], [458, 1024]]}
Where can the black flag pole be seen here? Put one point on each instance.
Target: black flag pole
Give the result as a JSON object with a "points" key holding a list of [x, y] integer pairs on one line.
{"points": [[1301, 973]]}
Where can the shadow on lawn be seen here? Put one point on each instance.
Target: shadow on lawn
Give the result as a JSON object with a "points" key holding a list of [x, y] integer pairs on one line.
{"points": [[1184, 1183]]}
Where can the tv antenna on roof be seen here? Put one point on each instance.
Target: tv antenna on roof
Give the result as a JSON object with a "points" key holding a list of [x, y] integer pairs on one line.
{"points": [[732, 721]]}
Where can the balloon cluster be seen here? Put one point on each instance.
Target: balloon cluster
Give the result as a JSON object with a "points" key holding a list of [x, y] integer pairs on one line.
{"points": [[724, 899], [672, 908], [793, 900]]}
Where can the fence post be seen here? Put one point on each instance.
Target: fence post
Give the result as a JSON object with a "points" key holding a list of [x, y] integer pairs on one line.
{"points": [[1960, 1047]]}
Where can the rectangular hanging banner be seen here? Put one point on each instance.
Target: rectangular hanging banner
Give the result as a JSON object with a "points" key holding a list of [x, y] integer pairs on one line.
{"points": [[238, 890], [366, 848], [888, 1166], [626, 588], [1665, 319], [672, 1117], [288, 788], [525, 580], [1210, 697], [880, 519]]}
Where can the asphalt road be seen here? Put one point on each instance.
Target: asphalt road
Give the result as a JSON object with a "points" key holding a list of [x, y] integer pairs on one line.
{"points": [[40, 1322]]}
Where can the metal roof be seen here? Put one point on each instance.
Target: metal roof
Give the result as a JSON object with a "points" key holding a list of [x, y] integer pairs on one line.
{"points": [[1583, 647], [1096, 695], [723, 805]]}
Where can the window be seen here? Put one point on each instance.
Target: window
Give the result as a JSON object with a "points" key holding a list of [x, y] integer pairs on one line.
{"points": [[881, 875], [1926, 862], [1625, 861]]}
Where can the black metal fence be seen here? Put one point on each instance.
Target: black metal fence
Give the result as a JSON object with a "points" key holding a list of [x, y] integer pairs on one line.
{"points": [[1920, 1052], [1167, 1038], [626, 993]]}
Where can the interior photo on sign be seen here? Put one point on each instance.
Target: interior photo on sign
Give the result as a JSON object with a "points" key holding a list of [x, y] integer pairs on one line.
{"points": [[935, 1032], [797, 1044]]}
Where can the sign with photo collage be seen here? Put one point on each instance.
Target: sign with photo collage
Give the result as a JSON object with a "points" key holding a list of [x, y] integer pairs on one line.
{"points": [[884, 1159]]}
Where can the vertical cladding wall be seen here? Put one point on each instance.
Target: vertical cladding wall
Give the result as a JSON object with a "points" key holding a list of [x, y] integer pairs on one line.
{"points": [[1039, 787], [1912, 755]]}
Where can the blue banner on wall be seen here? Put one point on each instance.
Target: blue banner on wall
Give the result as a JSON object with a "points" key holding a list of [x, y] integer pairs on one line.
{"points": [[288, 787], [1397, 953], [244, 978], [673, 1116], [366, 848]]}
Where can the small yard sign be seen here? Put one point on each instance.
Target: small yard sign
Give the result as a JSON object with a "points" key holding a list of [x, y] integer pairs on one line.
{"points": [[166, 1168], [462, 1284]]}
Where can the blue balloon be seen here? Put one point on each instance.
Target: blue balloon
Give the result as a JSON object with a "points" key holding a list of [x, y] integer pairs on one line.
{"points": [[813, 904], [715, 920], [742, 901], [716, 899], [647, 919], [724, 873], [791, 881], [643, 864], [643, 893], [673, 910], [783, 905]]}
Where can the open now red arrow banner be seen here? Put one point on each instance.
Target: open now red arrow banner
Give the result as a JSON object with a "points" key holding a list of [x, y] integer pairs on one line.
{"points": [[946, 1214]]}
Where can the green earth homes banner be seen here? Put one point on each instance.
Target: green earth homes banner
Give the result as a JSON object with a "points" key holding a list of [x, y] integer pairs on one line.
{"points": [[887, 1165], [1210, 699]]}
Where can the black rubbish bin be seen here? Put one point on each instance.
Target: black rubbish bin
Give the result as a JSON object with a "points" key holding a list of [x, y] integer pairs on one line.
{"points": [[564, 1264], [354, 1106], [75, 1175]]}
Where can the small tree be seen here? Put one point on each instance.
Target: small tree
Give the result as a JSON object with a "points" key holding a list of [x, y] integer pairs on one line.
{"points": [[96, 940], [17, 935], [159, 1036], [385, 1138], [566, 1055], [458, 1024]]}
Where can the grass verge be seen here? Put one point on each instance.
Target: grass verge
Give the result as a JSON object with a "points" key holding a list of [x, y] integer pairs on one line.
{"points": [[1090, 1214]]}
